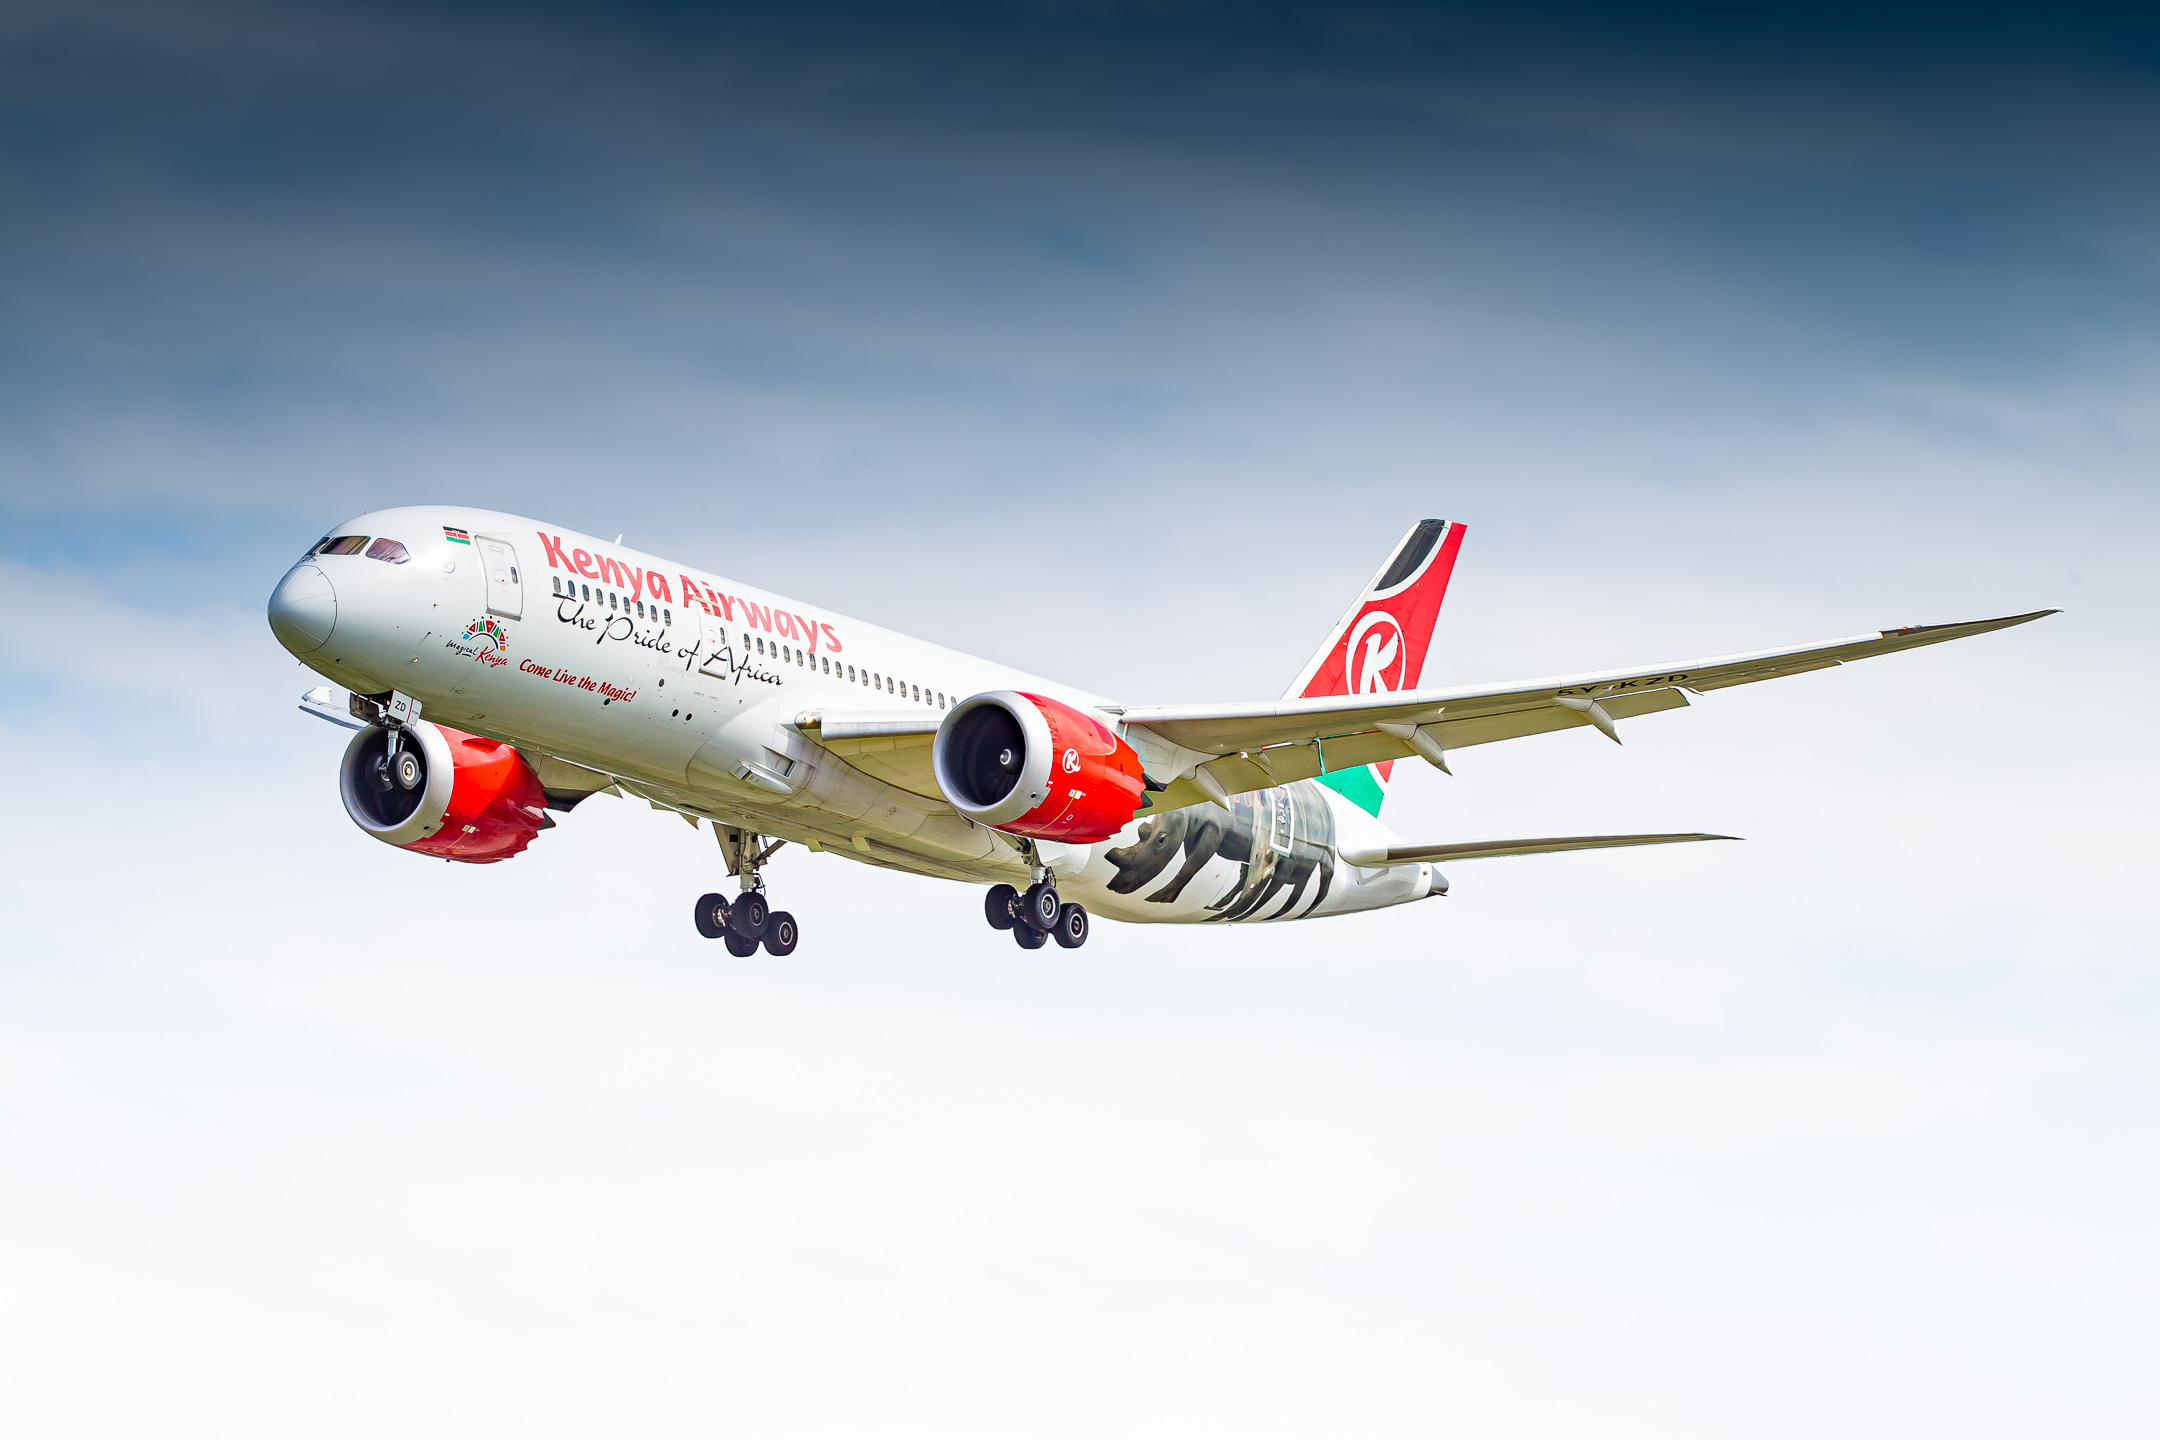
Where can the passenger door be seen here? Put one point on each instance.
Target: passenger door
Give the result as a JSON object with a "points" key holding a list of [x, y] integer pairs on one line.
{"points": [[506, 595]]}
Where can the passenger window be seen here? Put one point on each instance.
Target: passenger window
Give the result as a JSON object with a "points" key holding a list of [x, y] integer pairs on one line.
{"points": [[343, 545], [388, 550], [667, 617], [588, 591]]}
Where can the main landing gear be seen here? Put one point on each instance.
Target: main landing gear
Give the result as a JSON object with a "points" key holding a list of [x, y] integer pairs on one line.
{"points": [[750, 921], [1035, 916], [746, 924]]}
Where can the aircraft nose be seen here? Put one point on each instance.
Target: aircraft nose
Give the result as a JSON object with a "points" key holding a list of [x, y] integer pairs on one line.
{"points": [[303, 609]]}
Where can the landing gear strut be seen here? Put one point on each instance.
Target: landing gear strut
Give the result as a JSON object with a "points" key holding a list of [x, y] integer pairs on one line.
{"points": [[750, 921]]}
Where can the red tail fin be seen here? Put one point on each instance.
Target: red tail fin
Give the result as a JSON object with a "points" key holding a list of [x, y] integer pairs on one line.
{"points": [[1381, 641]]}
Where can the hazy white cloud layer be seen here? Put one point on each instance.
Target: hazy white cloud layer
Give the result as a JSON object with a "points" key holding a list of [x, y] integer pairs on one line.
{"points": [[1120, 346]]}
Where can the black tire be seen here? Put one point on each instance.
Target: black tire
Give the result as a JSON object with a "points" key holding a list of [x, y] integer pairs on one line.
{"points": [[781, 934], [1039, 907], [739, 945], [407, 769], [747, 916], [1029, 938], [1072, 926], [712, 916], [1001, 906]]}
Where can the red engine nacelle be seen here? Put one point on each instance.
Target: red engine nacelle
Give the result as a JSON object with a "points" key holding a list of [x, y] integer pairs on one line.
{"points": [[469, 798], [1036, 767]]}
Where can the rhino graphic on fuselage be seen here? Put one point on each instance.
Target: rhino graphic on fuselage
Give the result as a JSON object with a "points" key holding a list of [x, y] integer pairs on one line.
{"points": [[1246, 837]]}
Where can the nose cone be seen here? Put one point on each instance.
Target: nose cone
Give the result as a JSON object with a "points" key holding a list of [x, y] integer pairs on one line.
{"points": [[303, 609]]}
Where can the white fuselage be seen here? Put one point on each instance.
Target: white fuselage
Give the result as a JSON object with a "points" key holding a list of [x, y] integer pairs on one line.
{"points": [[684, 687]]}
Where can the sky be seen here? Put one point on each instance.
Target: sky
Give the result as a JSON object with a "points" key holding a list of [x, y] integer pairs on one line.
{"points": [[1119, 342]]}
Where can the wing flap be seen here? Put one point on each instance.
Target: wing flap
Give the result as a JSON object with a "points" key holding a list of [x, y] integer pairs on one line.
{"points": [[1496, 849], [1281, 764]]}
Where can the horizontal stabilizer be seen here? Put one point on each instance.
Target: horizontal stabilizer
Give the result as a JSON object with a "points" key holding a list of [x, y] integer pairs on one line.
{"points": [[1491, 849]]}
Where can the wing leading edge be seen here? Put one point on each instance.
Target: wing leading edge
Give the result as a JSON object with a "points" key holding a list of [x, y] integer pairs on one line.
{"points": [[1252, 746]]}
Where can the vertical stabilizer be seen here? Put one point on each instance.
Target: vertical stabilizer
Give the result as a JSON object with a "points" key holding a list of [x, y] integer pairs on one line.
{"points": [[1380, 643]]}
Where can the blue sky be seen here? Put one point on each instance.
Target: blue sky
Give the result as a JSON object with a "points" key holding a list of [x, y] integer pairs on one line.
{"points": [[1117, 342]]}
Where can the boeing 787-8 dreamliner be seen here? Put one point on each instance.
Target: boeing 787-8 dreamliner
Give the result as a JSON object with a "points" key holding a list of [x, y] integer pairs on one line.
{"points": [[570, 667]]}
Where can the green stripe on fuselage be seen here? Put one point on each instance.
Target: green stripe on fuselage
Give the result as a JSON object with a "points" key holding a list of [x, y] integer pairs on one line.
{"points": [[1359, 786]]}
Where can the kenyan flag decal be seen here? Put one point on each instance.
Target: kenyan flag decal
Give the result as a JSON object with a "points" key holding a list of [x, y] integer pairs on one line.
{"points": [[452, 533]]}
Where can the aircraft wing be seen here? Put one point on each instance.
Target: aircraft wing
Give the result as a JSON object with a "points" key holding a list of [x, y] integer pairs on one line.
{"points": [[1494, 849], [1277, 741]]}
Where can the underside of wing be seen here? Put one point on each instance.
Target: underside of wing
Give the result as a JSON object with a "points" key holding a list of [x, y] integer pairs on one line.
{"points": [[893, 746], [1273, 742], [1495, 849]]}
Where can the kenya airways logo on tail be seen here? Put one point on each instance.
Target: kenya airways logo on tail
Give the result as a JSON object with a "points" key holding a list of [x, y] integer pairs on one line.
{"points": [[1375, 656], [1379, 646]]}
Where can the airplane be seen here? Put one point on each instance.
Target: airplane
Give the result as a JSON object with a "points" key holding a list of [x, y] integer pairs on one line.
{"points": [[553, 666]]}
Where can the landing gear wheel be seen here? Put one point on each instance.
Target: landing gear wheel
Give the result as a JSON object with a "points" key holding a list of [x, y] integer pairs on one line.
{"points": [[1028, 937], [780, 934], [739, 946], [407, 769], [712, 916], [747, 916], [1039, 907], [1072, 926], [1001, 907]]}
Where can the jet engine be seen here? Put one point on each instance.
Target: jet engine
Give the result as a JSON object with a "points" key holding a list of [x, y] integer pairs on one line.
{"points": [[442, 792], [1036, 767]]}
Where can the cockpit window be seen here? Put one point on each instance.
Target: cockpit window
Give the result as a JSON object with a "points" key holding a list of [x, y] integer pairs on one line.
{"points": [[388, 549], [343, 545]]}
